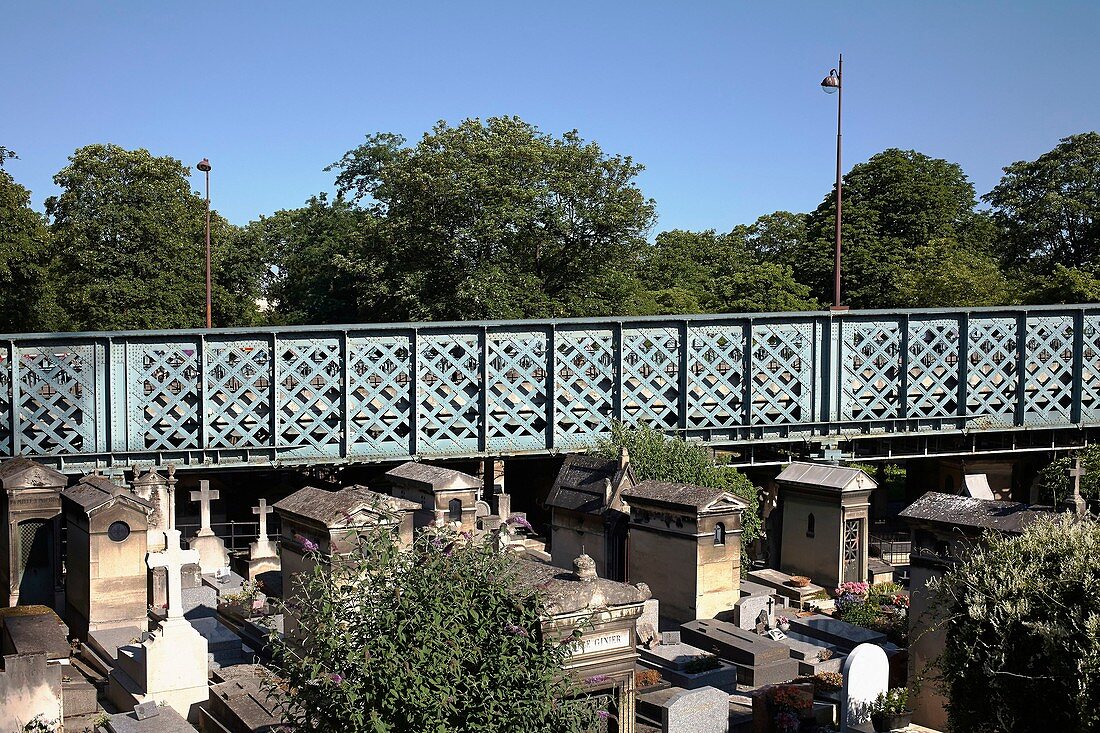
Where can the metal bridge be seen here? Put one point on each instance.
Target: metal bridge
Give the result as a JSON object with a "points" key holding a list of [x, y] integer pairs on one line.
{"points": [[336, 394]]}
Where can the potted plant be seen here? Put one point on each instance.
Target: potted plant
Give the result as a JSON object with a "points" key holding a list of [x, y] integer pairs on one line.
{"points": [[890, 710], [784, 623]]}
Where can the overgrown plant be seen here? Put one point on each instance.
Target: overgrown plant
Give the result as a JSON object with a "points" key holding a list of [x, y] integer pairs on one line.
{"points": [[654, 455], [441, 637], [1022, 622]]}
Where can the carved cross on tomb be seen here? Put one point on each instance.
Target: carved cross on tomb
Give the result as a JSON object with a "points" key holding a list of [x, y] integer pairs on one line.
{"points": [[263, 510], [172, 559], [204, 496]]}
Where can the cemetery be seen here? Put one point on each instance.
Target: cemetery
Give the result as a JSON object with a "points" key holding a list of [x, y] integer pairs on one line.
{"points": [[150, 630]]}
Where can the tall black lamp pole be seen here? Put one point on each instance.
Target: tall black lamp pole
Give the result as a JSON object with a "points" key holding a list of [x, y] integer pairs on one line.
{"points": [[204, 166], [832, 84]]}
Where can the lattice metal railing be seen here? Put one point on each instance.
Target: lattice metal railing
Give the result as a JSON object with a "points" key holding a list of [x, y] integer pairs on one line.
{"points": [[367, 393]]}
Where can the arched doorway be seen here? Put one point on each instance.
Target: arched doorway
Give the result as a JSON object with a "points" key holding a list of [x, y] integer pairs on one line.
{"points": [[35, 571]]}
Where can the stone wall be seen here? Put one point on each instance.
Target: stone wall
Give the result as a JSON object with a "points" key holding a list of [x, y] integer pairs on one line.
{"points": [[28, 687]]}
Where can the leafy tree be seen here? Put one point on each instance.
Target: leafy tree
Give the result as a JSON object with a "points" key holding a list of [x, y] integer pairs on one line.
{"points": [[1062, 285], [895, 202], [443, 637], [1049, 209], [941, 273], [706, 272], [1055, 484], [656, 456], [129, 235], [496, 219], [329, 264], [1022, 629], [25, 296]]}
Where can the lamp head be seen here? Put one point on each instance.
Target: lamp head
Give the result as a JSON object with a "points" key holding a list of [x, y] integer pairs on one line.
{"points": [[831, 83], [203, 165]]}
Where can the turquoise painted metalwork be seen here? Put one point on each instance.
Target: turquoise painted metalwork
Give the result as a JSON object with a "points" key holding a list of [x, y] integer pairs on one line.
{"points": [[435, 390]]}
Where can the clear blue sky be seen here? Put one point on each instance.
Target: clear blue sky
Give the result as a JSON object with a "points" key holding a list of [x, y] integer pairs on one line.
{"points": [[720, 101]]}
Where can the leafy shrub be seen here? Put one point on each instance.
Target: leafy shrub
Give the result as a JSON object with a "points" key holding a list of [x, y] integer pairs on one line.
{"points": [[702, 664], [1056, 485], [894, 701], [828, 681], [646, 677], [1022, 625], [443, 636]]}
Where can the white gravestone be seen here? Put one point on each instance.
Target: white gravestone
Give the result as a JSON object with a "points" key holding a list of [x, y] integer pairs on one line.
{"points": [[866, 676], [169, 665], [211, 548], [263, 554]]}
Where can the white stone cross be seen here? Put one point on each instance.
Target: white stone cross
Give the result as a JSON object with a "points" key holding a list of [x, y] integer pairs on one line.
{"points": [[204, 496], [263, 510], [1079, 503], [172, 559]]}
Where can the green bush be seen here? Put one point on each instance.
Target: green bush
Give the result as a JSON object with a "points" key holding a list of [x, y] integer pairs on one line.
{"points": [[656, 456], [1022, 627], [1056, 485], [441, 637]]}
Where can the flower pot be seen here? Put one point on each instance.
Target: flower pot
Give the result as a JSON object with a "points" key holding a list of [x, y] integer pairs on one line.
{"points": [[883, 723], [784, 628]]}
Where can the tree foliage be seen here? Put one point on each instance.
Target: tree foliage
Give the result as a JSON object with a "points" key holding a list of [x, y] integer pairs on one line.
{"points": [[129, 238], [439, 637], [1049, 209], [656, 456], [1023, 631], [496, 219], [1056, 485], [26, 302]]}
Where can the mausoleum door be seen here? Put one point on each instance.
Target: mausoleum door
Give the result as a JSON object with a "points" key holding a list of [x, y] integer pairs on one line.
{"points": [[853, 543], [35, 575]]}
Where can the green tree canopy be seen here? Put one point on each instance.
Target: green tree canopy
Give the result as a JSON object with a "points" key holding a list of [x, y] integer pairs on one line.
{"points": [[895, 202], [942, 273], [25, 293], [129, 238], [706, 272], [1022, 629], [496, 219], [656, 456], [1049, 209], [444, 636]]}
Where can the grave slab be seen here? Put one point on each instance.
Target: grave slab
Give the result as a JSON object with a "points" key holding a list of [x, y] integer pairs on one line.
{"points": [[166, 720], [839, 633], [704, 710], [733, 643], [779, 581]]}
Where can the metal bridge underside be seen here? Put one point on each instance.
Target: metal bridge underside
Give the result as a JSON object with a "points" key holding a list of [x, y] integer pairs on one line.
{"points": [[762, 385]]}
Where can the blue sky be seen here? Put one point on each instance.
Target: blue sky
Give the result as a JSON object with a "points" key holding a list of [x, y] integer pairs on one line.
{"points": [[720, 101]]}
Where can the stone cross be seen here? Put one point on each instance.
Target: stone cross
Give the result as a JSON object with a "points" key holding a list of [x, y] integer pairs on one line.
{"points": [[263, 510], [1079, 504], [204, 496], [172, 559]]}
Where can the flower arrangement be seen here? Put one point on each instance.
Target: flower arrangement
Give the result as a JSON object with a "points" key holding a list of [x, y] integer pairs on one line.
{"points": [[828, 681], [789, 704], [646, 677]]}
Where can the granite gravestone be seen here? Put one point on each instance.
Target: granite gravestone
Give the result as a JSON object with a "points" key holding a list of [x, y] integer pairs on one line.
{"points": [[866, 675], [704, 710]]}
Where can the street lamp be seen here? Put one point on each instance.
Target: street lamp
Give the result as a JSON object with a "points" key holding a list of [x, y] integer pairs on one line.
{"points": [[204, 166], [832, 84]]}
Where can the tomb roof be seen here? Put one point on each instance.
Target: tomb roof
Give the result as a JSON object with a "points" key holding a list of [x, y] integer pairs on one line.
{"points": [[687, 496], [93, 491], [827, 476], [21, 472], [148, 478], [34, 630], [422, 475], [978, 514], [338, 508], [563, 592], [580, 483]]}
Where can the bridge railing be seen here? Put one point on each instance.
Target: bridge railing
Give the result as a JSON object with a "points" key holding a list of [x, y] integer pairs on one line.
{"points": [[374, 392]]}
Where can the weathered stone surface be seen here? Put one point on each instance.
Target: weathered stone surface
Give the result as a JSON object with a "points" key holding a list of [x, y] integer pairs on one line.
{"points": [[733, 643], [29, 687], [844, 635], [704, 710], [166, 720]]}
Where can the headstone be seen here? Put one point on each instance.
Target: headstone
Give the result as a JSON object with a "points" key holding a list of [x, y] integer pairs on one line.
{"points": [[211, 548], [170, 664], [146, 710], [747, 611], [704, 710], [866, 675]]}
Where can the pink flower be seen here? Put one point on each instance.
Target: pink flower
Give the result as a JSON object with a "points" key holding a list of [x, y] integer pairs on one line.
{"points": [[307, 544], [597, 679], [603, 714], [521, 522], [336, 677]]}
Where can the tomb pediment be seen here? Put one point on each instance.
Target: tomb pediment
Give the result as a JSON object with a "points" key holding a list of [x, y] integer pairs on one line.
{"points": [[23, 473]]}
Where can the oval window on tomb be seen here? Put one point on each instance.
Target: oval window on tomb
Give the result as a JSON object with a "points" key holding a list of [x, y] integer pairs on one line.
{"points": [[118, 531]]}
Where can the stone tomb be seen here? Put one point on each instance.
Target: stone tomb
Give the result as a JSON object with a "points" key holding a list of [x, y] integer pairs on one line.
{"points": [[106, 580], [673, 660], [160, 493], [211, 548], [759, 660], [866, 676], [445, 496], [703, 710], [169, 665], [263, 554], [30, 528], [241, 704], [35, 650], [840, 634], [148, 718]]}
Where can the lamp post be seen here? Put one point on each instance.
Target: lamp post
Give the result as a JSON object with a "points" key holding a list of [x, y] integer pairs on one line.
{"points": [[832, 84], [204, 166]]}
